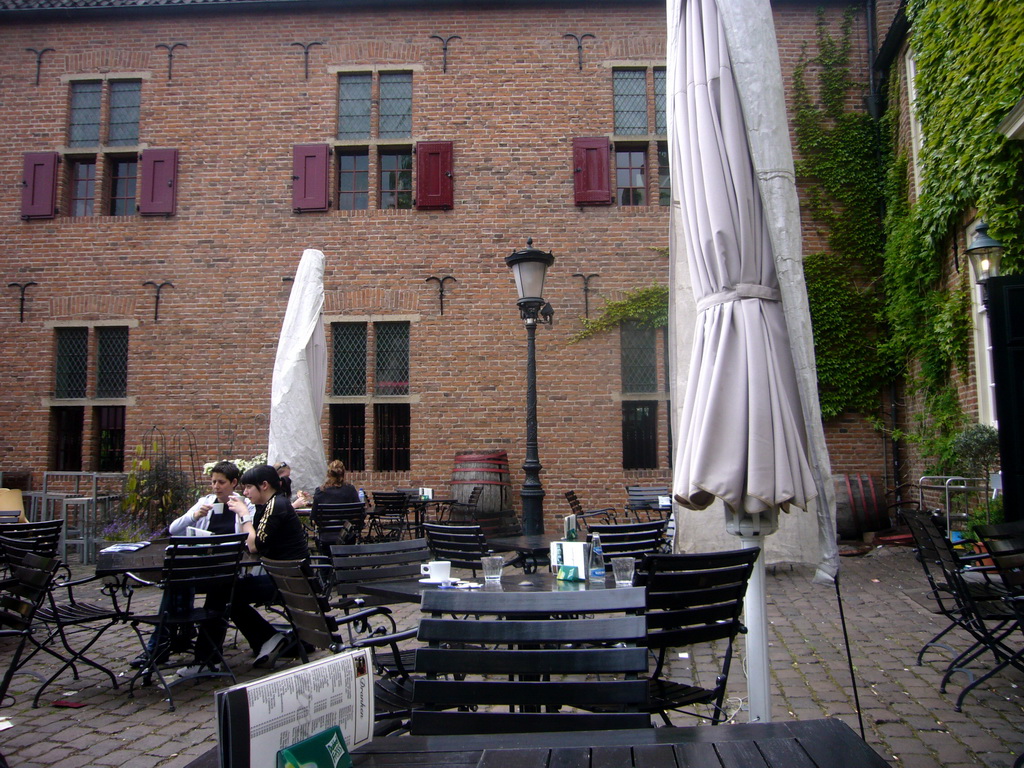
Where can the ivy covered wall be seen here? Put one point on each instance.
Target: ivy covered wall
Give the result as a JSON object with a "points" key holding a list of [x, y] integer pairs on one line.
{"points": [[969, 63]]}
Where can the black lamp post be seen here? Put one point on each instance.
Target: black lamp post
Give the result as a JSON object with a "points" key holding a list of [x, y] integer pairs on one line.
{"points": [[529, 268], [1001, 297]]}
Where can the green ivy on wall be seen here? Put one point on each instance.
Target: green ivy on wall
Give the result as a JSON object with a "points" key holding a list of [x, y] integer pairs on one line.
{"points": [[969, 61], [647, 307], [839, 172]]}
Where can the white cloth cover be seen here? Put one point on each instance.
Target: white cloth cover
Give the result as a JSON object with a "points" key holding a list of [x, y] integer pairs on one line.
{"points": [[300, 376]]}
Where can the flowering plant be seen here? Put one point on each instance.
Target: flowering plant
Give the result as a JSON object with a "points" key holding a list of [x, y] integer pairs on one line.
{"points": [[242, 464]]}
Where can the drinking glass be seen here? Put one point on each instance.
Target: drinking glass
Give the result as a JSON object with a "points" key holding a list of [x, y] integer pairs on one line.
{"points": [[623, 567], [492, 567]]}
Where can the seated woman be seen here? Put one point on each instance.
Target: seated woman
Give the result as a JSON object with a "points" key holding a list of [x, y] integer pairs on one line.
{"points": [[334, 490], [275, 531], [210, 513]]}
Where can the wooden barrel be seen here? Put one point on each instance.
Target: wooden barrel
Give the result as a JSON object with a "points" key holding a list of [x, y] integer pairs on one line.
{"points": [[858, 507], [488, 469]]}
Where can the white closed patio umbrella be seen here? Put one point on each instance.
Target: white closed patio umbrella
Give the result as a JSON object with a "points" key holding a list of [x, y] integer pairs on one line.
{"points": [[746, 420], [300, 376]]}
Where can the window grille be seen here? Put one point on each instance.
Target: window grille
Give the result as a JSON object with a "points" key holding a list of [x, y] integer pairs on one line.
{"points": [[125, 99], [630, 101], [631, 177], [83, 187], [637, 349], [660, 120], [392, 372], [123, 179], [67, 424], [396, 180], [111, 361], [109, 421], [349, 368], [664, 177], [71, 362], [395, 105], [640, 434], [354, 96], [85, 113], [348, 435], [392, 436], [353, 181]]}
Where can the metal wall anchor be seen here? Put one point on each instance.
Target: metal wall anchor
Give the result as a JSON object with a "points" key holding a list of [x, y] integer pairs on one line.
{"points": [[586, 291], [170, 54], [160, 287], [305, 54], [24, 287], [444, 48], [39, 60], [579, 44], [440, 288]]}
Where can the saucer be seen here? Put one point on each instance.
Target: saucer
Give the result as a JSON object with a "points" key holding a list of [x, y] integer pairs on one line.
{"points": [[429, 580]]}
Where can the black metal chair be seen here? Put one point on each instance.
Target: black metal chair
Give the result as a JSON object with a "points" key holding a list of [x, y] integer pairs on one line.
{"points": [[586, 517], [645, 500], [314, 624], [201, 565], [465, 511], [21, 595], [529, 653], [337, 524], [983, 584], [691, 600], [358, 564], [631, 539], [42, 539], [389, 518], [462, 545], [988, 621]]}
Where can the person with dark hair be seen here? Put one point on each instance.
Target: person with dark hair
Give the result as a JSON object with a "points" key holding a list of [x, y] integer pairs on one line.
{"points": [[274, 531], [210, 513]]}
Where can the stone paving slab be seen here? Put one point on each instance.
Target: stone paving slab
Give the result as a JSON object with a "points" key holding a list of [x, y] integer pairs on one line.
{"points": [[905, 717]]}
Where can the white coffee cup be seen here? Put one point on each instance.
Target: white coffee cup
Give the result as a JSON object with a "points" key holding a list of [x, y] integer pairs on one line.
{"points": [[437, 570], [217, 508]]}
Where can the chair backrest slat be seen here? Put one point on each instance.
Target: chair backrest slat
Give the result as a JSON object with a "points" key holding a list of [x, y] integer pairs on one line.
{"points": [[358, 564], [463, 545], [1005, 543]]}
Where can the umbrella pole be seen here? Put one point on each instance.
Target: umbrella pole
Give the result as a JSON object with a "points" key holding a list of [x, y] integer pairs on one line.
{"points": [[755, 615]]}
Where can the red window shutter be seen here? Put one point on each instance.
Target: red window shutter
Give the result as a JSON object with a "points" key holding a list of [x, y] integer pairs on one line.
{"points": [[435, 187], [591, 171], [309, 177], [159, 182], [39, 185]]}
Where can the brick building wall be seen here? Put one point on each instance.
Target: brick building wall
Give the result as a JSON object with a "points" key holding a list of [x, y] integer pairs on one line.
{"points": [[511, 101]]}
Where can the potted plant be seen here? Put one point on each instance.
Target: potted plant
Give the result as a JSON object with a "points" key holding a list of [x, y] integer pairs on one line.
{"points": [[974, 453]]}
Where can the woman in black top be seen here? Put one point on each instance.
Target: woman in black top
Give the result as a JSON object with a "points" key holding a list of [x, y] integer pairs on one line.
{"points": [[334, 490], [276, 532]]}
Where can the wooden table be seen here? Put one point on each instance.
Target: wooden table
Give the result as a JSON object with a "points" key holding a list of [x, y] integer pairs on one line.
{"points": [[827, 743], [410, 590]]}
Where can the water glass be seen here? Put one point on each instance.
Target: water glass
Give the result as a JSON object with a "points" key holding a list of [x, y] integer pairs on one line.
{"points": [[492, 567], [623, 567]]}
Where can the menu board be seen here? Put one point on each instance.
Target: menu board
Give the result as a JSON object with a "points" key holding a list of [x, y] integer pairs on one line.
{"points": [[255, 720]]}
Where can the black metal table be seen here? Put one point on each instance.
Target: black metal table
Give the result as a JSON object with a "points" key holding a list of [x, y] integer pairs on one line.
{"points": [[827, 743], [410, 590], [533, 550], [148, 559]]}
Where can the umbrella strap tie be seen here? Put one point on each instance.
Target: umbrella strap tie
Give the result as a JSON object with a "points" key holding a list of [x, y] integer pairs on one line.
{"points": [[739, 291]]}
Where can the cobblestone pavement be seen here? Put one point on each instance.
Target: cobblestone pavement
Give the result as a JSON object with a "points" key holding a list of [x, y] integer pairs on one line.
{"points": [[905, 717]]}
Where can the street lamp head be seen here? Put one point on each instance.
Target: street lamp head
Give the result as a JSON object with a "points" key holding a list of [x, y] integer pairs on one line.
{"points": [[985, 253], [529, 268]]}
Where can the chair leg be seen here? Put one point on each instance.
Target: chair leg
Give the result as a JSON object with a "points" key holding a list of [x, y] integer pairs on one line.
{"points": [[76, 656]]}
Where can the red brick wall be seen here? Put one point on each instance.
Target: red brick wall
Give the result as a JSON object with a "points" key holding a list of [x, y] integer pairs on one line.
{"points": [[511, 101]]}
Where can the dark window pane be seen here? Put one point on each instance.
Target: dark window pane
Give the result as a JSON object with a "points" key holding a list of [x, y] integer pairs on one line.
{"points": [[638, 358], [631, 177], [353, 181], [664, 178], [660, 121], [348, 436], [396, 180], [83, 187], [71, 362], [630, 94], [392, 436], [354, 106], [125, 99], [111, 361], [349, 369], [395, 105], [640, 434], [392, 373], [85, 113], [66, 428], [123, 178], [109, 421]]}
